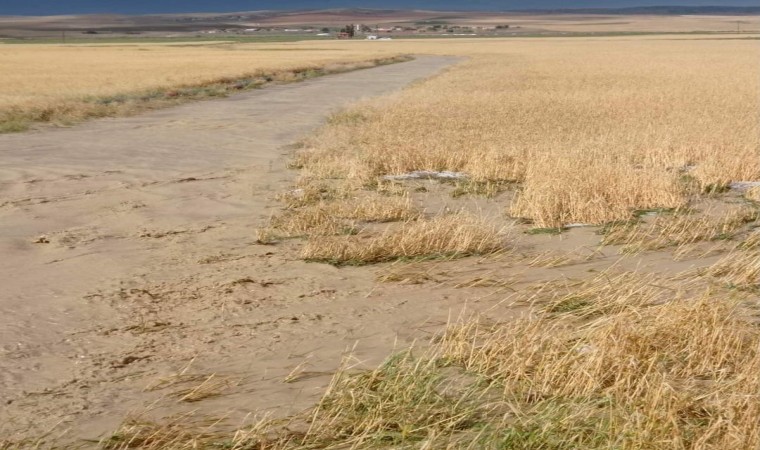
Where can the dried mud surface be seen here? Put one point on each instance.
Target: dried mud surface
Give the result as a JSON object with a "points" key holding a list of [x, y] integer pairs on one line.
{"points": [[129, 256], [131, 273]]}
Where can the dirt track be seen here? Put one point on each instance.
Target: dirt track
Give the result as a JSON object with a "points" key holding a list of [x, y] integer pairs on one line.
{"points": [[129, 255]]}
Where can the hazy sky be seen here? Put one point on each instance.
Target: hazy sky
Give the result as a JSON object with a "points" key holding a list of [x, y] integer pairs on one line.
{"points": [[9, 7]]}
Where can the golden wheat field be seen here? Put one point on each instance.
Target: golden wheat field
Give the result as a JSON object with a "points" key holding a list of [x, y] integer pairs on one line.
{"points": [[640, 139], [591, 130], [58, 83], [605, 187], [50, 73]]}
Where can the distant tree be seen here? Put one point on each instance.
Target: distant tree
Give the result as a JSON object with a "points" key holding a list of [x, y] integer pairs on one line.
{"points": [[349, 30], [325, 30]]}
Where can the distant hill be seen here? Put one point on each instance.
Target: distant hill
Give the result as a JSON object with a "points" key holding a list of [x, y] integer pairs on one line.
{"points": [[57, 7]]}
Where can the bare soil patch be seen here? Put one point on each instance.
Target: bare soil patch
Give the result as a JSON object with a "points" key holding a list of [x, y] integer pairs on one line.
{"points": [[132, 275]]}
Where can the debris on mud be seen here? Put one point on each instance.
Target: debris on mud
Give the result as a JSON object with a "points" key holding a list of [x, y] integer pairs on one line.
{"points": [[41, 240], [744, 185]]}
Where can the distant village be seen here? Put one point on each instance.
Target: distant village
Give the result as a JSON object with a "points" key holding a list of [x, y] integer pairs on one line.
{"points": [[376, 32]]}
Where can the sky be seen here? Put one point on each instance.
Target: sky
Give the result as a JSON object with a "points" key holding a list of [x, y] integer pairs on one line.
{"points": [[51, 7]]}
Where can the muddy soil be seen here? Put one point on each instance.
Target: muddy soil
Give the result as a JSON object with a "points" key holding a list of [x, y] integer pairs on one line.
{"points": [[131, 273], [129, 257]]}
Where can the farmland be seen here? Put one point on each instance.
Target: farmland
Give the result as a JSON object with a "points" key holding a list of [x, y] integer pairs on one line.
{"points": [[67, 84], [551, 243], [638, 140]]}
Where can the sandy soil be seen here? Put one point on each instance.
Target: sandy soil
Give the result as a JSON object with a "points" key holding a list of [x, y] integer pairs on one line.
{"points": [[129, 256], [131, 272]]}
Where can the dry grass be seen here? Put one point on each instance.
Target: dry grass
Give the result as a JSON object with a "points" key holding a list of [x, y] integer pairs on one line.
{"points": [[752, 240], [591, 191], [678, 229], [739, 269], [181, 432], [449, 236], [614, 361], [314, 220], [26, 444], [377, 209], [636, 374], [403, 401], [606, 294], [337, 217], [405, 275], [753, 194], [641, 375], [189, 387], [67, 84], [593, 132]]}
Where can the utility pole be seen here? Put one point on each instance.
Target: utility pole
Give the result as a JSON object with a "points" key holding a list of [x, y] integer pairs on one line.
{"points": [[63, 36]]}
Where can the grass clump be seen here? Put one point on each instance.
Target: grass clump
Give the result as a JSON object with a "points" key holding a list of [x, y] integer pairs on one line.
{"points": [[454, 235], [338, 217], [753, 194], [487, 189], [549, 231], [309, 221], [679, 373], [752, 241], [10, 124], [606, 294], [377, 209], [677, 230], [617, 361], [593, 190], [739, 269], [192, 388], [405, 401], [183, 432]]}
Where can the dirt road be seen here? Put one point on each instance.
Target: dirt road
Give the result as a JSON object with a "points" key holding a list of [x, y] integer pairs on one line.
{"points": [[130, 271]]}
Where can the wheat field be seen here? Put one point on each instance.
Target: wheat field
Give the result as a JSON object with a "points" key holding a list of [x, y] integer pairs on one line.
{"points": [[591, 129], [50, 73], [70, 83], [638, 139]]}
